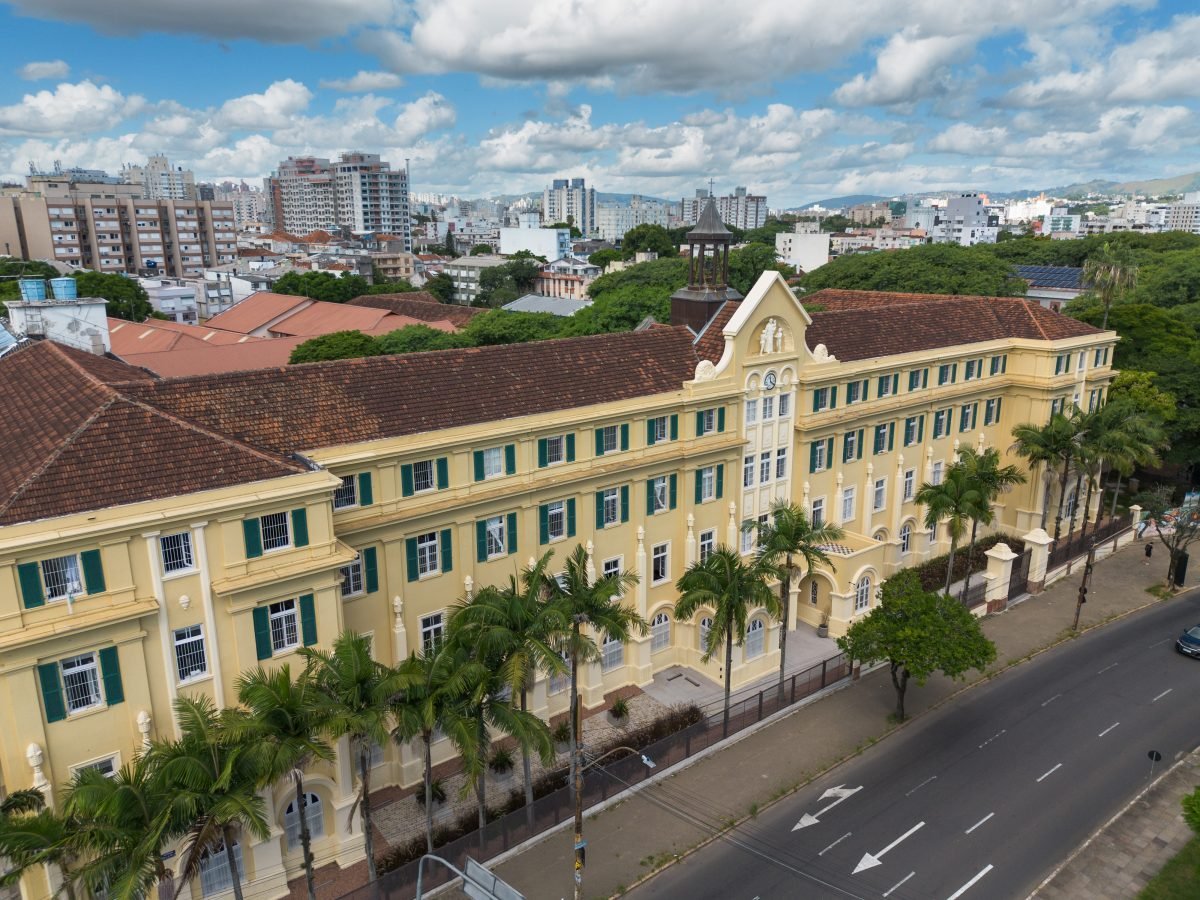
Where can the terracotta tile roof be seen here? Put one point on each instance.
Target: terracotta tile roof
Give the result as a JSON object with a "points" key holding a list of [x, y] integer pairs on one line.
{"points": [[420, 305], [324, 318], [710, 343], [209, 360], [867, 324], [204, 333], [345, 401], [255, 311], [73, 442]]}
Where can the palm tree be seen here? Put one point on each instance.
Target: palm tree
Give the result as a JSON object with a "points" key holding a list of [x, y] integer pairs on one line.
{"points": [[1110, 273], [520, 625], [991, 479], [441, 685], [785, 540], [218, 778], [957, 500], [283, 721], [732, 588], [580, 602], [1053, 445], [355, 694], [32, 836], [1125, 438]]}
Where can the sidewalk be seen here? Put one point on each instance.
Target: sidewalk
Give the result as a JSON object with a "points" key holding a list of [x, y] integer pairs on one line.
{"points": [[630, 840], [1121, 858]]}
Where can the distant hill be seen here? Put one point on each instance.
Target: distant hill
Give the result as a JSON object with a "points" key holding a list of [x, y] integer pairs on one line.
{"points": [[848, 200]]}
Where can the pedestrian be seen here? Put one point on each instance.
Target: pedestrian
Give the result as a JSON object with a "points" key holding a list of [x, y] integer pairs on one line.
{"points": [[1149, 551]]}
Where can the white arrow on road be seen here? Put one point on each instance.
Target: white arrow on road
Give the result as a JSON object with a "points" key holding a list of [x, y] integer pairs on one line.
{"points": [[841, 792], [870, 861]]}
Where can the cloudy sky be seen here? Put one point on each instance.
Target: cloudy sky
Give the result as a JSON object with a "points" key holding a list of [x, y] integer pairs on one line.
{"points": [[800, 99]]}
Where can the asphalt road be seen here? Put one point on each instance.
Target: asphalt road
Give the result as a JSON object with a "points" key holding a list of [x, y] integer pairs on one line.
{"points": [[982, 798]]}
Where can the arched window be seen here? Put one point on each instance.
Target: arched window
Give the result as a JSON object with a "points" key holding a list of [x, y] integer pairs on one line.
{"points": [[312, 814], [755, 636], [862, 594], [905, 538], [214, 869], [1070, 506], [812, 592], [705, 630], [612, 654], [660, 632], [881, 536]]}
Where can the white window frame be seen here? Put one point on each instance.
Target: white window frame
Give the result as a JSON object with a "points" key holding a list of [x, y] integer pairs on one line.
{"points": [[69, 580], [556, 511], [85, 667], [433, 630], [849, 502], [706, 624], [1081, 365], [751, 411], [820, 399], [820, 456], [883, 386], [493, 462], [284, 618], [662, 494], [556, 450], [862, 594], [708, 421], [186, 644], [313, 814], [781, 462], [785, 406], [661, 426], [281, 538], [936, 472], [748, 469], [214, 870], [609, 446], [910, 483], [905, 538], [352, 575], [428, 554], [495, 536], [345, 496], [183, 552], [660, 552], [853, 392], [708, 483], [660, 632], [756, 639], [707, 544], [424, 475], [105, 765], [816, 513], [612, 654], [747, 541], [764, 467], [880, 494], [768, 408]]}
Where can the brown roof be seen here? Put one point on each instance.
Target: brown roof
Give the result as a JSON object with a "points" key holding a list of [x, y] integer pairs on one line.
{"points": [[156, 335], [324, 318], [73, 442], [420, 305], [207, 360], [710, 343], [345, 401], [255, 311], [867, 324]]}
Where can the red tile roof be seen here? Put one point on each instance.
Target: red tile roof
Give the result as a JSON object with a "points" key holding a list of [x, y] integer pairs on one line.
{"points": [[207, 360], [420, 305], [256, 311], [325, 318], [710, 343]]}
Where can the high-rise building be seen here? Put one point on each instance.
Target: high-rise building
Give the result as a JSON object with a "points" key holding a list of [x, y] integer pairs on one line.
{"points": [[614, 219], [358, 193], [737, 210], [966, 221], [159, 180], [570, 201]]}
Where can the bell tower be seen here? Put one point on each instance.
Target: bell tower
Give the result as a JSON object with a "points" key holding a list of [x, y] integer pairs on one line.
{"points": [[708, 272]]}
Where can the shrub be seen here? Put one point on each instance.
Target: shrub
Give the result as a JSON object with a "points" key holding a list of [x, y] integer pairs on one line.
{"points": [[933, 572], [562, 732], [437, 790], [620, 709], [502, 761]]}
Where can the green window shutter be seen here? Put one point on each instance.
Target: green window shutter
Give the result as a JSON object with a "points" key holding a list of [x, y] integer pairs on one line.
{"points": [[543, 524], [829, 452], [891, 436], [410, 558], [571, 517], [998, 402], [406, 480], [366, 496], [699, 486], [720, 480], [93, 571], [699, 424], [443, 473], [816, 402], [570, 448], [510, 459], [833, 397], [812, 457], [866, 390], [920, 428], [31, 585], [624, 503], [481, 541], [370, 564], [650, 497], [720, 418], [673, 484], [510, 534], [846, 447], [599, 510], [477, 458], [262, 632], [954, 373], [599, 441], [252, 533], [859, 442], [650, 435], [624, 435], [308, 620], [300, 527], [110, 674], [447, 554], [674, 427], [896, 383], [52, 693]]}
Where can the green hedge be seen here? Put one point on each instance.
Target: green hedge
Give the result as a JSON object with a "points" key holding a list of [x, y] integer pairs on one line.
{"points": [[933, 572]]}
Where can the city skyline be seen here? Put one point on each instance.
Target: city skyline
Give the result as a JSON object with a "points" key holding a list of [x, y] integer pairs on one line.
{"points": [[485, 100]]}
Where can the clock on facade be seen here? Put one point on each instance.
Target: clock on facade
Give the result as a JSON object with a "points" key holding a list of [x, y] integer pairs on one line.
{"points": [[769, 381]]}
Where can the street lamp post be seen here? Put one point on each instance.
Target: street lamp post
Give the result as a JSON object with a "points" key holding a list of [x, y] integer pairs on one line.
{"points": [[1083, 584], [580, 843]]}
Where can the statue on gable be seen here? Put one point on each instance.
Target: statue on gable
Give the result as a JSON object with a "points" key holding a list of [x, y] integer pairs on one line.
{"points": [[766, 343]]}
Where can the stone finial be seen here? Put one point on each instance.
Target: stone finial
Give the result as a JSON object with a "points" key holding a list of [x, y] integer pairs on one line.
{"points": [[398, 609], [468, 587], [35, 758], [144, 721], [641, 536], [591, 562], [185, 601]]}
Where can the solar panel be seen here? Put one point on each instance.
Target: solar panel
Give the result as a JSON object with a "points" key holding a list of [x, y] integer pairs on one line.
{"points": [[1065, 277]]}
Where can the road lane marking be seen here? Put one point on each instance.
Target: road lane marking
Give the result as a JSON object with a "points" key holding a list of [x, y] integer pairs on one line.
{"points": [[1163, 694], [1051, 700], [921, 785], [871, 860], [992, 738], [1051, 772], [888, 892], [834, 844], [1106, 668], [966, 887], [1108, 729], [1159, 644], [980, 822], [841, 792]]}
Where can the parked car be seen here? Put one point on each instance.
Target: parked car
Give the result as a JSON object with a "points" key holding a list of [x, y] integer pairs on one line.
{"points": [[1189, 642]]}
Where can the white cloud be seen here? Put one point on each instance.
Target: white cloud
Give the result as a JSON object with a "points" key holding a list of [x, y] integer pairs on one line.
{"points": [[909, 68], [37, 71], [969, 140], [363, 82], [271, 21], [69, 109], [273, 108]]}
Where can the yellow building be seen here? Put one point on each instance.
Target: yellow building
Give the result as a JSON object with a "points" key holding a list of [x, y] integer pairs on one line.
{"points": [[160, 536]]}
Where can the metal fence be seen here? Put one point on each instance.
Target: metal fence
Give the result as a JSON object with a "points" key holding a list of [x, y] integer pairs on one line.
{"points": [[747, 707], [976, 593], [1018, 579], [1077, 544]]}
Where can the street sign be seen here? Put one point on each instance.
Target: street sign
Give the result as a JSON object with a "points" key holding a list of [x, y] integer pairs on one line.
{"points": [[480, 884]]}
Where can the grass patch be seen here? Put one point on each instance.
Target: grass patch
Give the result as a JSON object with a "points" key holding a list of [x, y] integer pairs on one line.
{"points": [[1160, 591], [1180, 877]]}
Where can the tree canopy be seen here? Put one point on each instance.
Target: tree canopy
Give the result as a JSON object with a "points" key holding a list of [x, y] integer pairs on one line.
{"points": [[651, 238], [441, 286], [926, 269], [126, 298], [338, 345], [503, 284], [325, 286]]}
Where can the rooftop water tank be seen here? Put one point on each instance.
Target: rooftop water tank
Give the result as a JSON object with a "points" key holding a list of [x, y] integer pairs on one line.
{"points": [[64, 288], [32, 288]]}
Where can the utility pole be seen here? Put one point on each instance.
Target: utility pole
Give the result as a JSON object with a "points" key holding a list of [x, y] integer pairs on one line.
{"points": [[580, 846], [1083, 585]]}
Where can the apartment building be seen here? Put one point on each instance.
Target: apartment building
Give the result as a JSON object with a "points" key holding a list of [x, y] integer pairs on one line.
{"points": [[738, 210], [570, 201], [465, 272], [371, 494], [175, 238], [613, 220], [966, 221], [159, 180], [302, 194]]}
